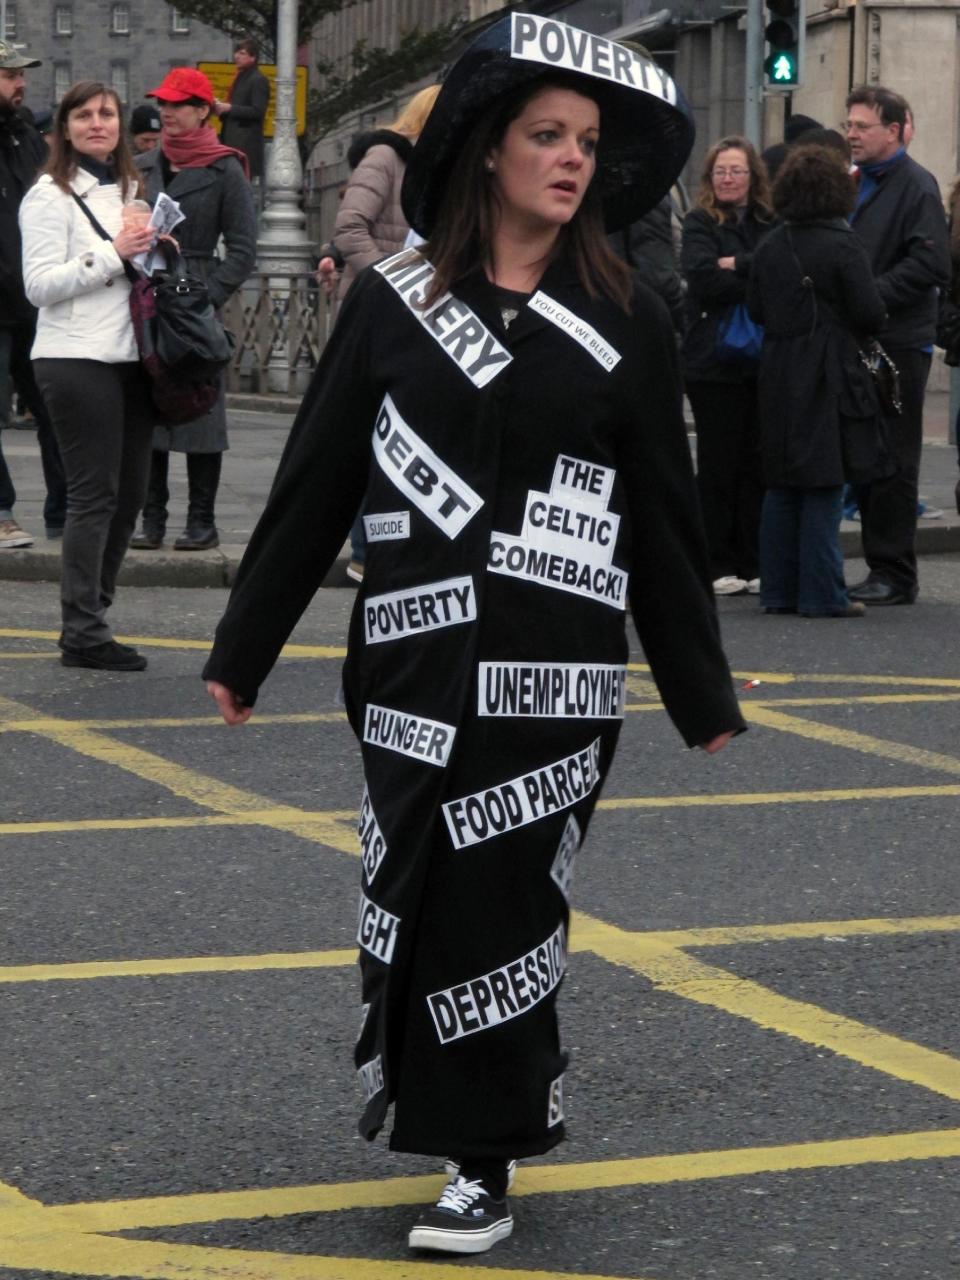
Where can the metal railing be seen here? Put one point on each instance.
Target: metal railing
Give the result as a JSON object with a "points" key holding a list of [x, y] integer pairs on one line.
{"points": [[281, 325]]}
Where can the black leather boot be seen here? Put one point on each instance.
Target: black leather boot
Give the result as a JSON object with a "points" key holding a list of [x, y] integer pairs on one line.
{"points": [[154, 519], [203, 480]]}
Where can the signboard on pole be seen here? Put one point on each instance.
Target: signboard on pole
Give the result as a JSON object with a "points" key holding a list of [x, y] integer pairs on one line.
{"points": [[221, 76]]}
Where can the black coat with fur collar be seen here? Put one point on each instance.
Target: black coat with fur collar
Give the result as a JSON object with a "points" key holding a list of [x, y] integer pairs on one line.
{"points": [[517, 485]]}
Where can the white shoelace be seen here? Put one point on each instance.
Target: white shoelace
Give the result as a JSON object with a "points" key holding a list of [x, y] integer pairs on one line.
{"points": [[460, 1194]]}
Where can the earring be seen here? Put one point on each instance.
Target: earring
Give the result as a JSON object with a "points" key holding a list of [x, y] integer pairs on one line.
{"points": [[490, 166]]}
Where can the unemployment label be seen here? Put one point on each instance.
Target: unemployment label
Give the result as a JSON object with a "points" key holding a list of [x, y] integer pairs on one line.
{"points": [[420, 475], [550, 789], [462, 335], [552, 689], [556, 44], [502, 994], [425, 608]]}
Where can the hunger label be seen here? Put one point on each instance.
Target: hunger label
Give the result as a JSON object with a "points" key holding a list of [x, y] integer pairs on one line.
{"points": [[387, 526], [591, 341], [551, 689], [373, 847], [427, 740], [377, 930], [544, 40], [502, 994], [520, 801], [420, 475], [461, 333], [427, 608], [568, 536]]}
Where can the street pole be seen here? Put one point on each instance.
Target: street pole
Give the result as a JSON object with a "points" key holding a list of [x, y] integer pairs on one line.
{"points": [[283, 251], [753, 78]]}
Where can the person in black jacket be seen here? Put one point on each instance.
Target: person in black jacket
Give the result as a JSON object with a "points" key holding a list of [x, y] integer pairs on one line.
{"points": [[505, 403], [244, 109], [812, 289], [22, 154], [900, 221], [720, 234]]}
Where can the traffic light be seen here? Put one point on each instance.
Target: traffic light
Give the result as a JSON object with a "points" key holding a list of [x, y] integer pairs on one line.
{"points": [[784, 33]]}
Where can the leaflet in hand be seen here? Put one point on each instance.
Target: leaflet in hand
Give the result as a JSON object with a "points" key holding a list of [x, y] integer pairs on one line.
{"points": [[165, 216]]}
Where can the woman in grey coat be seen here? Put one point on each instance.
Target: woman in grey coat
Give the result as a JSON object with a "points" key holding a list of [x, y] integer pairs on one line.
{"points": [[208, 181]]}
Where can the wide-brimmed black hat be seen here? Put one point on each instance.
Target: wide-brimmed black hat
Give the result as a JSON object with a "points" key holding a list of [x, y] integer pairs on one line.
{"points": [[646, 127]]}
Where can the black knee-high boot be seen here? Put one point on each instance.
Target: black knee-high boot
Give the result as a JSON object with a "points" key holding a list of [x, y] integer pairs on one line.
{"points": [[154, 520], [203, 480]]}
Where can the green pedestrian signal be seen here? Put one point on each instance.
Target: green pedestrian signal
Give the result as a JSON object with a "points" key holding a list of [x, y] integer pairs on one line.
{"points": [[784, 35]]}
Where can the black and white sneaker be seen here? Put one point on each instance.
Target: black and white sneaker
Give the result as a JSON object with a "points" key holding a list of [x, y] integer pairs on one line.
{"points": [[464, 1220], [452, 1167]]}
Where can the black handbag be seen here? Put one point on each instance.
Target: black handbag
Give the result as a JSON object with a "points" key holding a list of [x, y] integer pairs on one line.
{"points": [[182, 344]]}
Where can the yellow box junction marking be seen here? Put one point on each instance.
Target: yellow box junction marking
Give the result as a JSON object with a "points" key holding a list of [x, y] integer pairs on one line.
{"points": [[58, 1239]]}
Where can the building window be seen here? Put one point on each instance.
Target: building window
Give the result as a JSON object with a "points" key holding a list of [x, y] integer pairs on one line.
{"points": [[62, 79], [10, 29], [120, 80], [63, 20], [120, 19], [179, 23]]}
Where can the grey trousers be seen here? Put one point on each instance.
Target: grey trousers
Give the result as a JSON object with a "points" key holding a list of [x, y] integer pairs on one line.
{"points": [[103, 419]]}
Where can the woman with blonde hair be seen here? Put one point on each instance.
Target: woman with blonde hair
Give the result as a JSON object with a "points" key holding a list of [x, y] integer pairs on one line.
{"points": [[732, 214], [85, 358]]}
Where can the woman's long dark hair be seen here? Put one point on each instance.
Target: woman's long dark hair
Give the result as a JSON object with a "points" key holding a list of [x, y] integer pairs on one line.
{"points": [[62, 165], [462, 237]]}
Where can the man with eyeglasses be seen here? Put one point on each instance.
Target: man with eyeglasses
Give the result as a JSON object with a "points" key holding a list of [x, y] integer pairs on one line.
{"points": [[900, 220]]}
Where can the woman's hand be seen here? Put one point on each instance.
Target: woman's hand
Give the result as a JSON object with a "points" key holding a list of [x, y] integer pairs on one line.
{"points": [[327, 275], [727, 264], [231, 706], [712, 747], [134, 240]]}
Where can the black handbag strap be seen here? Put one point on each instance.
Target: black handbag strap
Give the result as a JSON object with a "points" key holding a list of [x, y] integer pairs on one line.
{"points": [[805, 280], [128, 270]]}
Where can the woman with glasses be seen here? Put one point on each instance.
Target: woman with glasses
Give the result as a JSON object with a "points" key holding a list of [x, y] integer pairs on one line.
{"points": [[720, 234]]}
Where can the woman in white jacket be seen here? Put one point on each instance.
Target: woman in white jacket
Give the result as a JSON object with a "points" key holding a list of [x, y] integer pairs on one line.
{"points": [[86, 361]]}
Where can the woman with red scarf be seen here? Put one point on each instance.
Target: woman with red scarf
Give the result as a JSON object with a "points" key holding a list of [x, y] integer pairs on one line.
{"points": [[210, 183]]}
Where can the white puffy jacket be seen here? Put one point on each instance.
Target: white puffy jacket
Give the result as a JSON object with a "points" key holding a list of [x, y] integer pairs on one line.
{"points": [[73, 275]]}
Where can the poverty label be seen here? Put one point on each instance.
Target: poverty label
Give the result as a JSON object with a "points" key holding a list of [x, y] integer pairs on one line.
{"points": [[429, 607]]}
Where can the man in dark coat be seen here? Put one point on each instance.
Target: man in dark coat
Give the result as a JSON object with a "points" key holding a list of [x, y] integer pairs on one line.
{"points": [[22, 152], [900, 221], [242, 112]]}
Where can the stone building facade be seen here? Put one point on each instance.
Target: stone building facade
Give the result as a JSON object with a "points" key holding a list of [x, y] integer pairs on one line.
{"points": [[129, 45]]}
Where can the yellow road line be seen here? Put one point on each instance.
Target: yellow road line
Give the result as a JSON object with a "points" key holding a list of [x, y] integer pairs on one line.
{"points": [[852, 741], [176, 966], [551, 1179], [777, 797], [213, 721], [203, 646], [254, 818], [673, 970]]}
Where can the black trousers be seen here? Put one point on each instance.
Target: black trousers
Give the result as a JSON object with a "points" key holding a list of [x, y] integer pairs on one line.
{"points": [[729, 476], [103, 417], [888, 508]]}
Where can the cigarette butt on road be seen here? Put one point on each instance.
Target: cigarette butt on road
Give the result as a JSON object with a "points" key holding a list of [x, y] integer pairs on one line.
{"points": [[750, 684]]}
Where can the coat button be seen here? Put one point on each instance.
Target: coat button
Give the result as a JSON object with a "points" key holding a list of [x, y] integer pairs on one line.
{"points": [[88, 262], [109, 284]]}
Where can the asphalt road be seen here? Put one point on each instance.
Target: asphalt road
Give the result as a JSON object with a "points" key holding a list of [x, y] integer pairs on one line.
{"points": [[761, 1003]]}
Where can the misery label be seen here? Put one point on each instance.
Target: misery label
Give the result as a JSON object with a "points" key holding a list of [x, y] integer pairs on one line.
{"points": [[373, 847], [410, 735], [551, 689], [462, 334], [544, 40], [478, 817], [377, 930], [502, 994], [425, 608], [591, 341], [387, 526], [568, 536], [420, 475], [562, 870], [371, 1078]]}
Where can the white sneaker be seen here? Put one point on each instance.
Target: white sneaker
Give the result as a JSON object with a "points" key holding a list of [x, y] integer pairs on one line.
{"points": [[930, 513], [466, 1219], [11, 535], [729, 586], [753, 587]]}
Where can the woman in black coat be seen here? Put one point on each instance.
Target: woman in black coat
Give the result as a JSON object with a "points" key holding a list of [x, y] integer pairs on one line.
{"points": [[720, 235], [504, 408], [813, 291]]}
